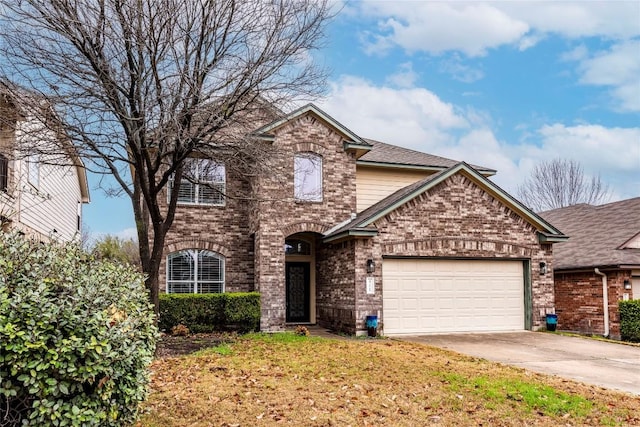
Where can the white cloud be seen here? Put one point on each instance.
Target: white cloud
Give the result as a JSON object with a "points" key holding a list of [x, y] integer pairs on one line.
{"points": [[417, 118], [405, 77], [616, 149], [618, 68], [460, 71], [474, 27], [440, 26], [576, 54], [576, 19], [612, 153], [529, 41]]}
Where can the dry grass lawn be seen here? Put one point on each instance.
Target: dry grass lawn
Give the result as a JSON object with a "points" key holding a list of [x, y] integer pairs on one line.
{"points": [[284, 379]]}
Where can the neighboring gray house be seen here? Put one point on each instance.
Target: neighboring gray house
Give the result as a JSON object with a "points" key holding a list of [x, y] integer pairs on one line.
{"points": [[606, 238], [362, 228]]}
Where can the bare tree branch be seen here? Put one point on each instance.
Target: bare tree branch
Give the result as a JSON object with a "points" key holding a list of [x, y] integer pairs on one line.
{"points": [[141, 86], [558, 183]]}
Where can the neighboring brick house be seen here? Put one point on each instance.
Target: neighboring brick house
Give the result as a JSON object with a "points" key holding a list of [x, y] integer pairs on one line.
{"points": [[358, 227], [606, 238], [40, 196]]}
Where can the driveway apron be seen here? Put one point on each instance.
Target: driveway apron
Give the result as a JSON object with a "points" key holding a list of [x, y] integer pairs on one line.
{"points": [[610, 365]]}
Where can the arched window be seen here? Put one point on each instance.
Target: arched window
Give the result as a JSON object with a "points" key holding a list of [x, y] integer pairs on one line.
{"points": [[195, 271]]}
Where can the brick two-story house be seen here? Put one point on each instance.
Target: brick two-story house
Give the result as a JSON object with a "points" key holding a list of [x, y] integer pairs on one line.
{"points": [[363, 228]]}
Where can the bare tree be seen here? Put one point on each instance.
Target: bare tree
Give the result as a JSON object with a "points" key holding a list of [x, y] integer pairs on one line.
{"points": [[558, 183], [140, 86]]}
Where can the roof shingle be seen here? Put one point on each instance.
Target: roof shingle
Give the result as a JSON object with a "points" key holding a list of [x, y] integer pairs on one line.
{"points": [[393, 154], [596, 234]]}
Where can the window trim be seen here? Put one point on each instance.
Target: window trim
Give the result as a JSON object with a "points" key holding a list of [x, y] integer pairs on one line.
{"points": [[196, 189], [33, 169], [194, 253], [4, 173], [308, 198]]}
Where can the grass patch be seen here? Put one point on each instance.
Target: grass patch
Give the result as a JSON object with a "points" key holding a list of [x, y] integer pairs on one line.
{"points": [[223, 349], [278, 338], [533, 397], [268, 379]]}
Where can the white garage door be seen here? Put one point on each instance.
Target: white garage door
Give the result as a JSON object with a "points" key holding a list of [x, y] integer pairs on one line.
{"points": [[431, 296]]}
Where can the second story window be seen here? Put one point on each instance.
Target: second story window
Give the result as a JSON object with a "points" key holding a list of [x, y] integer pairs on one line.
{"points": [[33, 169], [307, 177], [203, 183], [4, 173]]}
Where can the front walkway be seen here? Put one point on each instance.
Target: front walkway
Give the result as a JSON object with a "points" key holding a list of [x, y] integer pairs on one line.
{"points": [[319, 331], [605, 364]]}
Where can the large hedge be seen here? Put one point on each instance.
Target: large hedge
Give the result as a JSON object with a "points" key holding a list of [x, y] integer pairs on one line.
{"points": [[76, 337], [238, 311], [630, 320]]}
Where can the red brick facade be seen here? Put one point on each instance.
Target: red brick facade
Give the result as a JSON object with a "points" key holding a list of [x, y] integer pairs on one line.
{"points": [[456, 218], [579, 301]]}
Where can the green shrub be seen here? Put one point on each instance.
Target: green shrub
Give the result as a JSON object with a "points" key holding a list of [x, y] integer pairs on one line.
{"points": [[630, 320], [211, 312], [76, 337]]}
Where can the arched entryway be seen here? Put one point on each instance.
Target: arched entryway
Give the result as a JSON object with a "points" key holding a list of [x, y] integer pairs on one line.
{"points": [[300, 277]]}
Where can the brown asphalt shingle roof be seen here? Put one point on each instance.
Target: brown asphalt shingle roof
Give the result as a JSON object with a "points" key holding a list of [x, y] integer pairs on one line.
{"points": [[595, 234], [393, 154]]}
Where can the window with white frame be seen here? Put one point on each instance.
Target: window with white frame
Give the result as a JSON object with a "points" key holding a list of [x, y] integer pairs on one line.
{"points": [[4, 173], [33, 169], [203, 183], [307, 177], [195, 271]]}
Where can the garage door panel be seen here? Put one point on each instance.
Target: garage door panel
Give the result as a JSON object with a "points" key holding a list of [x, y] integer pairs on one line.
{"points": [[430, 296]]}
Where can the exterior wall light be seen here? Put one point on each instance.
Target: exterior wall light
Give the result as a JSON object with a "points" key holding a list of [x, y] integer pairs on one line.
{"points": [[627, 285], [371, 266], [543, 268]]}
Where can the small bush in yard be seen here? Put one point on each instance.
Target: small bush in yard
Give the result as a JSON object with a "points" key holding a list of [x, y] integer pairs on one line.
{"points": [[302, 331], [238, 311], [76, 337], [630, 320], [180, 331]]}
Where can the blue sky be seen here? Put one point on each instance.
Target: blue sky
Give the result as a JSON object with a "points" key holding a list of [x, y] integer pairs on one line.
{"points": [[503, 85]]}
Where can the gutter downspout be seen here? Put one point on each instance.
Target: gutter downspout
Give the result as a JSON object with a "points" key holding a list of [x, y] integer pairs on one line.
{"points": [[605, 301]]}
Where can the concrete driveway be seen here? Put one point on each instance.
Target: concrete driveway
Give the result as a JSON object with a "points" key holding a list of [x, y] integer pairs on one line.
{"points": [[610, 365]]}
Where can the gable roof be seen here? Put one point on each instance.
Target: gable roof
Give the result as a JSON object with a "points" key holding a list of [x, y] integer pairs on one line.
{"points": [[601, 236], [362, 223], [369, 151], [351, 137], [388, 155]]}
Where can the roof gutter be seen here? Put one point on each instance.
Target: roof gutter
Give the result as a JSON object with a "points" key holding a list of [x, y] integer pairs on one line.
{"points": [[351, 233], [484, 172], [605, 301], [550, 238]]}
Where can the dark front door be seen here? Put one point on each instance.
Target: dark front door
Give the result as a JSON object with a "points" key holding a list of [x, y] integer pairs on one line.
{"points": [[298, 284]]}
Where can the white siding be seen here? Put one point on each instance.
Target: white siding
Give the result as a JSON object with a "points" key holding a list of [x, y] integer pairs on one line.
{"points": [[53, 203], [374, 184]]}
